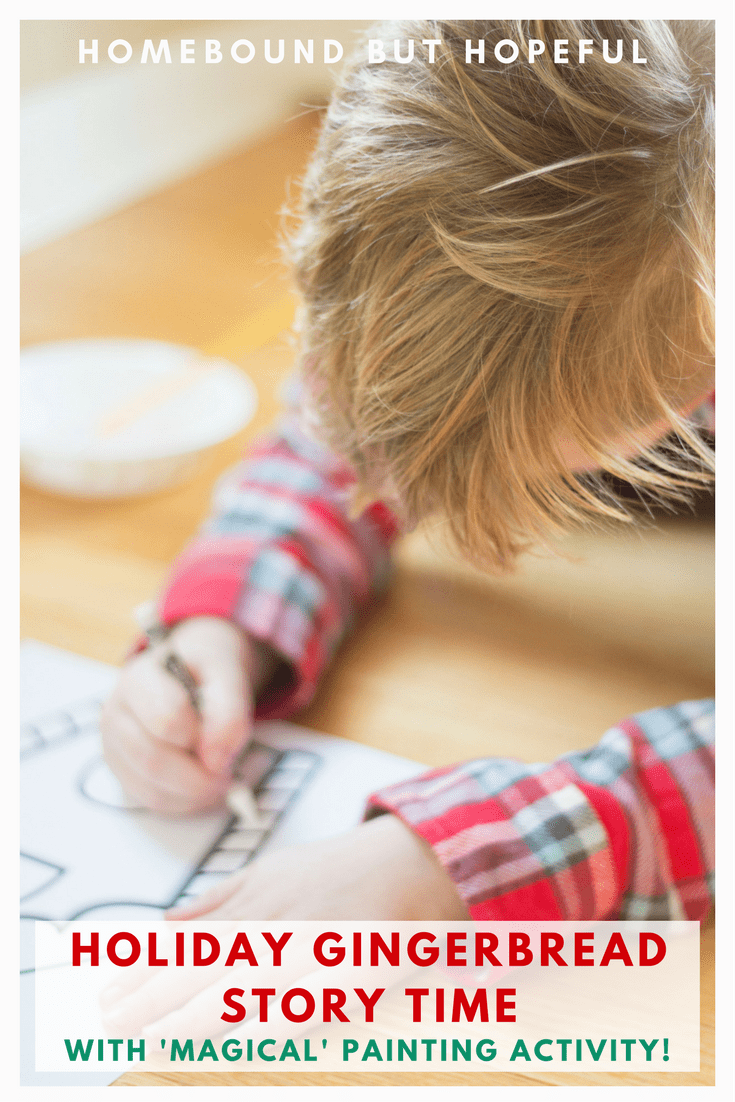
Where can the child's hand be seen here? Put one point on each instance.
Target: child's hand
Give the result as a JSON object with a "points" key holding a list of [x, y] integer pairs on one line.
{"points": [[379, 870], [166, 756]]}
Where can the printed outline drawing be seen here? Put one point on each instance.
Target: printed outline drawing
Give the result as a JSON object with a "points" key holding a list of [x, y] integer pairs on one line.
{"points": [[83, 777], [58, 871], [71, 729]]}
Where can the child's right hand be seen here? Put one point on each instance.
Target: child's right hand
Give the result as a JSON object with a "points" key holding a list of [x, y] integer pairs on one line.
{"points": [[167, 756]]}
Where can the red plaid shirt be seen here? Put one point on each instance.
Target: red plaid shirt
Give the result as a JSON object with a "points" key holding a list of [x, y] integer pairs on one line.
{"points": [[623, 830]]}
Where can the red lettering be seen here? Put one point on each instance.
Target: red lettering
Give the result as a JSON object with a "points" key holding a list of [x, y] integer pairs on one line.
{"points": [[231, 1001], [504, 1002], [456, 952], [277, 945], [392, 954], [241, 950], [582, 950], [369, 1001], [200, 938], [485, 946], [616, 950], [550, 946], [336, 953], [460, 1002], [332, 1002], [643, 959], [262, 994], [112, 944], [153, 960], [428, 956], [518, 951], [77, 949], [416, 993], [309, 1004]]}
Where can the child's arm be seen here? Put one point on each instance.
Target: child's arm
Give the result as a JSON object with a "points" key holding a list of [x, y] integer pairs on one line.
{"points": [[280, 558], [624, 830], [283, 569], [261, 598]]}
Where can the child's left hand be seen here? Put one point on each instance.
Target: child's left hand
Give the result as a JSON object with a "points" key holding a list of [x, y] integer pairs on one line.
{"points": [[379, 870]]}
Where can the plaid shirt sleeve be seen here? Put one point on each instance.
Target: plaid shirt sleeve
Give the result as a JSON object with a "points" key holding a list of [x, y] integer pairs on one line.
{"points": [[280, 557], [624, 830]]}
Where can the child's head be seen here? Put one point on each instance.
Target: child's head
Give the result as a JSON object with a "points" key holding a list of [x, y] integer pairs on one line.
{"points": [[505, 265]]}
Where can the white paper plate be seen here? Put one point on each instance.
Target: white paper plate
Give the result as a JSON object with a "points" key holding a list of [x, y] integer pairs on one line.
{"points": [[107, 418]]}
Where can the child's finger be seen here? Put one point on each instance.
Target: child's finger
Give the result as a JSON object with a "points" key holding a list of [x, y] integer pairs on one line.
{"points": [[160, 776], [226, 707], [162, 994], [216, 654], [159, 702]]}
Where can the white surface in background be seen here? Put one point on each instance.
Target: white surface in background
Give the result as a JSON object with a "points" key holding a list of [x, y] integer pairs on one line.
{"points": [[96, 141]]}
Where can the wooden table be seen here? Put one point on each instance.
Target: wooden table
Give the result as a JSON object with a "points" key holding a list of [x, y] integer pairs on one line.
{"points": [[449, 664]]}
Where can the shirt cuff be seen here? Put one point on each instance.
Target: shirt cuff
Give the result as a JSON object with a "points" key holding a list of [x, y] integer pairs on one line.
{"points": [[517, 845], [274, 596]]}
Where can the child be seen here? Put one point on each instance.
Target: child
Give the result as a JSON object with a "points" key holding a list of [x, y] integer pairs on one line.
{"points": [[506, 271]]}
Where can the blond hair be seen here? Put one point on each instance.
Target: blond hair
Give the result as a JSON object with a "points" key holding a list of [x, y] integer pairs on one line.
{"points": [[495, 258]]}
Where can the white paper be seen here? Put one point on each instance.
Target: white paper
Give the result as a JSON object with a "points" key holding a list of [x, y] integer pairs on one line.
{"points": [[86, 854]]}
